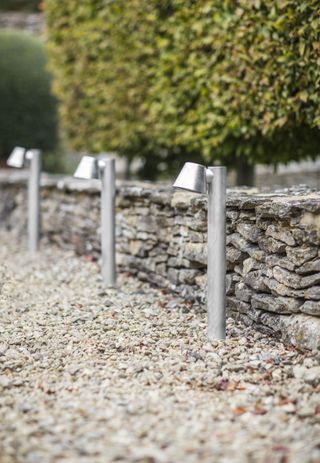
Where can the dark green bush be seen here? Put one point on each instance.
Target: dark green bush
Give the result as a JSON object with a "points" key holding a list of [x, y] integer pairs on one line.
{"points": [[220, 79], [28, 114]]}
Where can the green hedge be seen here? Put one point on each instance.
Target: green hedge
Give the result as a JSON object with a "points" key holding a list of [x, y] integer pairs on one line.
{"points": [[28, 113], [218, 79]]}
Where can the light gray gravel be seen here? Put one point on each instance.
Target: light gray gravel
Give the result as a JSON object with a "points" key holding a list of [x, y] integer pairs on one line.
{"points": [[93, 375]]}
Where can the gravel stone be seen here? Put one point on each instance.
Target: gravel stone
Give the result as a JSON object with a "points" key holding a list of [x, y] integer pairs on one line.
{"points": [[96, 375]]}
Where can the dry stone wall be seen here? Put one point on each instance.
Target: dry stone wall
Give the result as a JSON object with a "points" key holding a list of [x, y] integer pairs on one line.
{"points": [[29, 22], [273, 238]]}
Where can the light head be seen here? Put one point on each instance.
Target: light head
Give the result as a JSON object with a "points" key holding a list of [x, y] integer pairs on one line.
{"points": [[88, 168], [193, 177], [92, 168], [17, 158]]}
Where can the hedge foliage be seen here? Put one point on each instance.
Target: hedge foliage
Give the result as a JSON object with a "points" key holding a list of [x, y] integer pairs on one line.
{"points": [[28, 110], [219, 78]]}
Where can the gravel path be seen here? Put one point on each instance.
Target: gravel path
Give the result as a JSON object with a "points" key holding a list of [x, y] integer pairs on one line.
{"points": [[92, 375]]}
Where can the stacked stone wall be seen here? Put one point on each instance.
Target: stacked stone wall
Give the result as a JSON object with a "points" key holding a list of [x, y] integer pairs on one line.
{"points": [[29, 22], [273, 238]]}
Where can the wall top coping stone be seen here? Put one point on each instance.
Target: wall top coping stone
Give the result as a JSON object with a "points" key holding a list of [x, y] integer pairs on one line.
{"points": [[282, 202]]}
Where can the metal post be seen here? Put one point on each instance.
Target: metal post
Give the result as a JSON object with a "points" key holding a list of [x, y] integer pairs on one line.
{"points": [[217, 254], [34, 199], [108, 222]]}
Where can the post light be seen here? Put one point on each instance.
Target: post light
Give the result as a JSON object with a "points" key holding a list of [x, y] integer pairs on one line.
{"points": [[212, 181], [104, 170], [20, 157]]}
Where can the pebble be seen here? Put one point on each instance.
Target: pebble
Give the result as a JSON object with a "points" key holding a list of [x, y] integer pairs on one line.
{"points": [[93, 375]]}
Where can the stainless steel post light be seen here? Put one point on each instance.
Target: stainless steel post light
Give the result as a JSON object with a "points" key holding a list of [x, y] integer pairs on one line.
{"points": [[104, 170], [212, 180], [20, 157]]}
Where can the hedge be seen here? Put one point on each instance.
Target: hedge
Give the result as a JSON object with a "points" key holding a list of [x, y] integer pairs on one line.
{"points": [[216, 79], [28, 110]]}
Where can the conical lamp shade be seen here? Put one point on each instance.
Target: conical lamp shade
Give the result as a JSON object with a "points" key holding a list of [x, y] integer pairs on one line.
{"points": [[17, 157], [192, 178], [87, 168]]}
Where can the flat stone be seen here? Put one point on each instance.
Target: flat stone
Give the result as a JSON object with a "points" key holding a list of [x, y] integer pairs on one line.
{"points": [[243, 292], [249, 231], [281, 304], [272, 245], [250, 264], [298, 329], [173, 275], [293, 280], [311, 308], [139, 248], [234, 255], [302, 254], [182, 199], [187, 276], [240, 243], [274, 260], [281, 234], [280, 289], [255, 280], [236, 305], [196, 252], [309, 267]]}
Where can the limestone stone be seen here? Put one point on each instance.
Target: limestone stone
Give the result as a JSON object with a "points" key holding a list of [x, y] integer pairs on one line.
{"points": [[188, 275], [243, 292], [236, 305], [300, 255], [255, 280], [280, 289], [271, 245], [201, 281], [297, 329], [283, 305], [181, 199], [311, 308], [309, 267], [281, 234], [229, 285], [234, 255], [249, 232], [196, 252], [274, 260], [161, 269], [178, 262], [240, 243], [232, 215], [173, 275], [250, 264], [293, 280], [257, 254], [139, 248]]}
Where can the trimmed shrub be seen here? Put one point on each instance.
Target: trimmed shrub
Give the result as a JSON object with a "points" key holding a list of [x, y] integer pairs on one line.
{"points": [[220, 80], [28, 115]]}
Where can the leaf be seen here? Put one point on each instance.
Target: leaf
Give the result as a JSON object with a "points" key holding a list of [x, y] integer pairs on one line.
{"points": [[239, 410]]}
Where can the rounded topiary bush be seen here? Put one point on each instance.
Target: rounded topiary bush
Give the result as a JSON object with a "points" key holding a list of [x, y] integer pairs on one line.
{"points": [[28, 113]]}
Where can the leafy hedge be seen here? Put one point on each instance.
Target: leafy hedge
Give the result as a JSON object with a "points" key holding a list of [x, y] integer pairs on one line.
{"points": [[28, 113], [219, 79]]}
